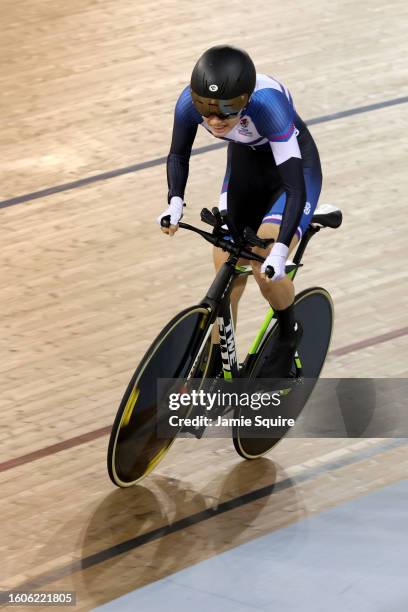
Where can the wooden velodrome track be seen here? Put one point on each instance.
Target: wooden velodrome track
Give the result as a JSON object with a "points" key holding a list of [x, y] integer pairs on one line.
{"points": [[87, 280]]}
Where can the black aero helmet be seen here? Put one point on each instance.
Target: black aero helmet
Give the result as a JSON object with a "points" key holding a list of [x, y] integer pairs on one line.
{"points": [[222, 81]]}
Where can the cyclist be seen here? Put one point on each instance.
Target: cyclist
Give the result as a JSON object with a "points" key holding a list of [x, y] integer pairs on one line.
{"points": [[273, 177]]}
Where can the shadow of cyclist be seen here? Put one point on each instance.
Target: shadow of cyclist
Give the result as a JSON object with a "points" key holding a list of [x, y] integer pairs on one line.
{"points": [[172, 525]]}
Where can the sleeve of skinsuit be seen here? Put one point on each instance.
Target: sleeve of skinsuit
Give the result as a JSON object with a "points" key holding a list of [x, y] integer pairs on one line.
{"points": [[186, 120], [273, 114]]}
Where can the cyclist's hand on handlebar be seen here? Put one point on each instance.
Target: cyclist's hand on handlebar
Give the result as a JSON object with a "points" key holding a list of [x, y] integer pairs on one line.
{"points": [[174, 213], [276, 259]]}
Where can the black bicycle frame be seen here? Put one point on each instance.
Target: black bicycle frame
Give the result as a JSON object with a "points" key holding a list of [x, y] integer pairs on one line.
{"points": [[218, 300]]}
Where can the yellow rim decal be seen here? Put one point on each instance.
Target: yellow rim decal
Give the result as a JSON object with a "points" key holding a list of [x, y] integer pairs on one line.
{"points": [[204, 321], [153, 462], [127, 413], [130, 404]]}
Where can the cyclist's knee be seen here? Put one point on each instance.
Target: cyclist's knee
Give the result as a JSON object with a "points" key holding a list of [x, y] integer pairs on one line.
{"points": [[269, 230], [279, 294], [269, 288]]}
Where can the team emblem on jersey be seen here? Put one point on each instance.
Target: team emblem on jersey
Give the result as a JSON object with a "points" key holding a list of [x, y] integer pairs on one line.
{"points": [[245, 127], [213, 87]]}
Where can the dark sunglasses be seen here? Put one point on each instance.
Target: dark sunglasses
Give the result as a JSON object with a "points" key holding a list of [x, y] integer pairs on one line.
{"points": [[222, 116], [209, 106]]}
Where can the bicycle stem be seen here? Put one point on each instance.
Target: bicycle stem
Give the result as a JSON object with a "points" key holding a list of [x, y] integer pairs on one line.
{"points": [[237, 251]]}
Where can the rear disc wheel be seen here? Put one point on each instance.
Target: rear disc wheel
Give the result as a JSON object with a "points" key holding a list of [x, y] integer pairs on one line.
{"points": [[314, 312]]}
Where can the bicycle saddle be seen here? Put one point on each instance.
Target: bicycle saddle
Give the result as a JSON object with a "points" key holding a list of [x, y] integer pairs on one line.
{"points": [[327, 215]]}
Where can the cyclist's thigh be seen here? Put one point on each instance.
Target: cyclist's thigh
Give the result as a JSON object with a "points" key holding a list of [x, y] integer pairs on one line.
{"points": [[271, 230], [268, 230]]}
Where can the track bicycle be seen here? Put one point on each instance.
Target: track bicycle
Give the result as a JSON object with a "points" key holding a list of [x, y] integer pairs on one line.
{"points": [[181, 350]]}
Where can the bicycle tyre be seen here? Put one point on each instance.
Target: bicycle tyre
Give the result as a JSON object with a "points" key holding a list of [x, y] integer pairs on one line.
{"points": [[134, 448], [314, 311]]}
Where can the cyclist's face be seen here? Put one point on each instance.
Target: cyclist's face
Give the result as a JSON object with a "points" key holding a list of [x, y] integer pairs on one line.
{"points": [[219, 126]]}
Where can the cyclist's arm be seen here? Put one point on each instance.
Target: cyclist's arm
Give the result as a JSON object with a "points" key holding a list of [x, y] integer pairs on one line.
{"points": [[186, 120], [289, 164], [274, 117]]}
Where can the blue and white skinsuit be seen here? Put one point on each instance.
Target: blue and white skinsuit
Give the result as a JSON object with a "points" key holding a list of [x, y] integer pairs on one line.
{"points": [[273, 170]]}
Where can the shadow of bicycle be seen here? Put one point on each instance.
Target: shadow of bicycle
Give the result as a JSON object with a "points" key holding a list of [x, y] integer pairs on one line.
{"points": [[173, 524]]}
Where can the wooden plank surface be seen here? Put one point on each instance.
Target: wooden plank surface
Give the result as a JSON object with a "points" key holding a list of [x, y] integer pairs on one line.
{"points": [[87, 279]]}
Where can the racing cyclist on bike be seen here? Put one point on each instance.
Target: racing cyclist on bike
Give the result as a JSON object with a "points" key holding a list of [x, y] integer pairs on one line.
{"points": [[272, 181]]}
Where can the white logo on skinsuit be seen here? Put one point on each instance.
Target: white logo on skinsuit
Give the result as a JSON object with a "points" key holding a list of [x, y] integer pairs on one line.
{"points": [[307, 208]]}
